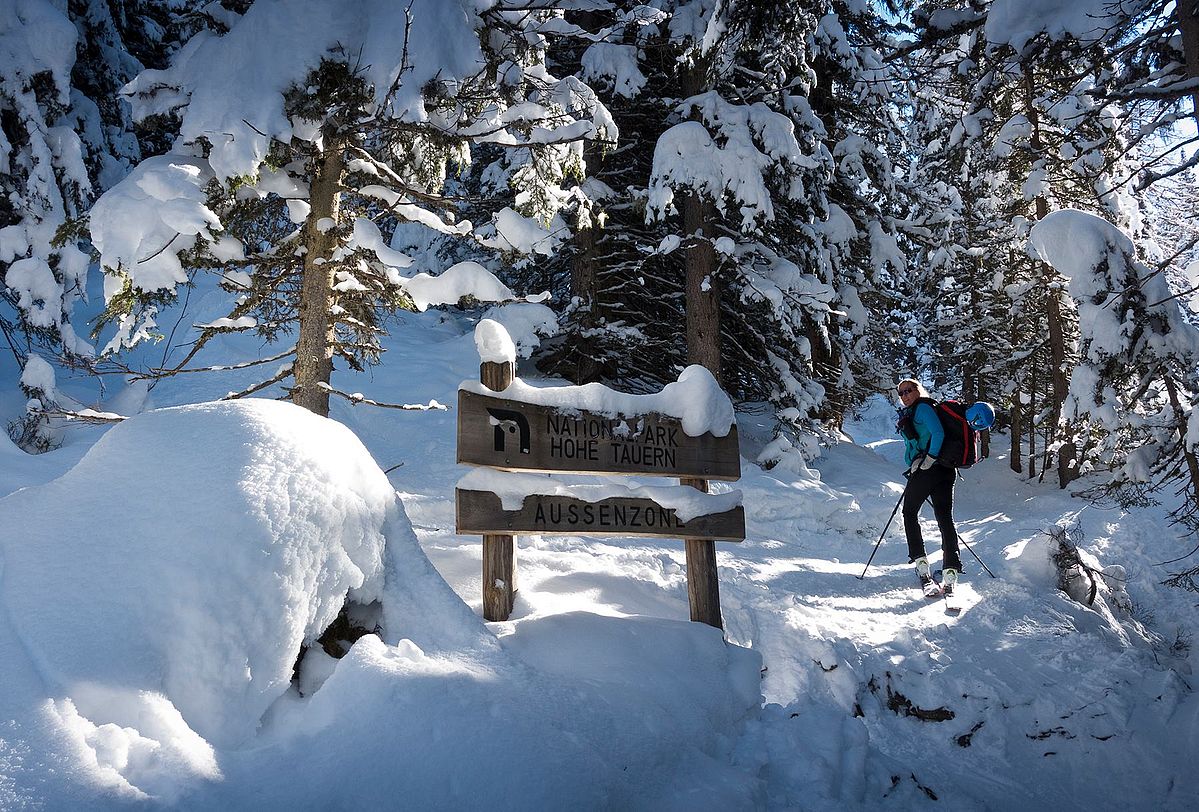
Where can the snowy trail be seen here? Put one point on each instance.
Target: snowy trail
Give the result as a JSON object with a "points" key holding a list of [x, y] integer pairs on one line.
{"points": [[1021, 691], [1034, 683]]}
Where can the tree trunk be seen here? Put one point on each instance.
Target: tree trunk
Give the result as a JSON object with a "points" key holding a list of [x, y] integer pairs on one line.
{"points": [[1032, 425], [826, 369], [1059, 381], [1015, 462], [1017, 427], [314, 347], [702, 287], [584, 283], [1185, 14], [703, 347]]}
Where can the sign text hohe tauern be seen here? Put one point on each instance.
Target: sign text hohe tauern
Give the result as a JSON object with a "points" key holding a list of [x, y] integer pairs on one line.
{"points": [[596, 439], [520, 436]]}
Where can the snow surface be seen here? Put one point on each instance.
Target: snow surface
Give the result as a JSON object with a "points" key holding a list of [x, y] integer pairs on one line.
{"points": [[292, 517], [597, 693]]}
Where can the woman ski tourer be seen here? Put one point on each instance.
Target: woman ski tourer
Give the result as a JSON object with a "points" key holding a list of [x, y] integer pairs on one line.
{"points": [[922, 436]]}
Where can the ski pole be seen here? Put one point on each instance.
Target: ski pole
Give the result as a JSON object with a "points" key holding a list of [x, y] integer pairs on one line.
{"points": [[967, 546], [880, 537], [962, 541]]}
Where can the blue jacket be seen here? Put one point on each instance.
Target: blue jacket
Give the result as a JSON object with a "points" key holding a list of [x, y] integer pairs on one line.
{"points": [[929, 434]]}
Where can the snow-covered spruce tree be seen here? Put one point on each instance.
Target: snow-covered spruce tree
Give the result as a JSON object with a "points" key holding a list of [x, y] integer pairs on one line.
{"points": [[622, 325], [1048, 142], [954, 227], [1139, 361], [856, 97], [736, 188], [297, 159], [1153, 46], [64, 137], [44, 179]]}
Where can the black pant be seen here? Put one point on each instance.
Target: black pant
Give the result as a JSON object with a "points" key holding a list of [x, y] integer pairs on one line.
{"points": [[936, 485]]}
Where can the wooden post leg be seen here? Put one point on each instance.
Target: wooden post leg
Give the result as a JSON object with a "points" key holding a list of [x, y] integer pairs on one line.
{"points": [[499, 577], [499, 552], [703, 586]]}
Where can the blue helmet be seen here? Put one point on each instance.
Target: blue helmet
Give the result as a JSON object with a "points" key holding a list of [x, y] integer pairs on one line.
{"points": [[980, 416]]}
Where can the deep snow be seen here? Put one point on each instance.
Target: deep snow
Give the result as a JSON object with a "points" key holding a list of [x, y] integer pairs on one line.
{"points": [[597, 693]]}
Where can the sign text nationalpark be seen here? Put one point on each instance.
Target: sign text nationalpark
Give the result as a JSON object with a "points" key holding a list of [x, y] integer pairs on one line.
{"points": [[516, 436]]}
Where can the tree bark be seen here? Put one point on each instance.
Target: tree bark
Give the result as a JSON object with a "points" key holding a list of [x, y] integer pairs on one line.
{"points": [[584, 282], [1058, 356], [703, 347], [1032, 425], [702, 286], [1186, 15], [314, 346], [1015, 461]]}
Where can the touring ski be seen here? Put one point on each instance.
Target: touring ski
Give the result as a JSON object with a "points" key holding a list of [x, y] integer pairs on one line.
{"points": [[953, 605], [931, 588]]}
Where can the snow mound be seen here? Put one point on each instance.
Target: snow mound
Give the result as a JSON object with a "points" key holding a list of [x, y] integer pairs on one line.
{"points": [[271, 515]]}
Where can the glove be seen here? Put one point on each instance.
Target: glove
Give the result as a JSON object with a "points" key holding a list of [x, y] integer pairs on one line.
{"points": [[922, 463]]}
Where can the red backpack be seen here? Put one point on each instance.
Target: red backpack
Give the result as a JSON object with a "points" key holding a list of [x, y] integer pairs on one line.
{"points": [[962, 446]]}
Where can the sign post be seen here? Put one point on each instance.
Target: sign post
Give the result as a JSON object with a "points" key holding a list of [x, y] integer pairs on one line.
{"points": [[703, 586], [499, 550]]}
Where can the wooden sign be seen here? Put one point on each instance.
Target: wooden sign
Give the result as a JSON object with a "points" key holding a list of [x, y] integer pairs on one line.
{"points": [[482, 512], [516, 436]]}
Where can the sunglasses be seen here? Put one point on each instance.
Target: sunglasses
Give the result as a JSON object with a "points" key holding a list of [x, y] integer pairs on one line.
{"points": [[905, 392]]}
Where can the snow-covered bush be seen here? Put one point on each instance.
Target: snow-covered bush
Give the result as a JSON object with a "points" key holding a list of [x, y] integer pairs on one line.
{"points": [[33, 432]]}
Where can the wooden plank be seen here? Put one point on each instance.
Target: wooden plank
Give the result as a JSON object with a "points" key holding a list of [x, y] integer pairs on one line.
{"points": [[482, 512], [515, 436]]}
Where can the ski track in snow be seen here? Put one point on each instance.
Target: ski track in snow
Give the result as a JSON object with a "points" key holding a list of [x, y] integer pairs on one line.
{"points": [[1030, 699]]}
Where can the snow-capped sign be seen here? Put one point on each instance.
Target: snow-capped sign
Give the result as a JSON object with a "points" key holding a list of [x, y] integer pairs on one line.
{"points": [[687, 430], [516, 435]]}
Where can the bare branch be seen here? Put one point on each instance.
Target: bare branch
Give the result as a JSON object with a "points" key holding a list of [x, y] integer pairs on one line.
{"points": [[258, 387], [356, 398]]}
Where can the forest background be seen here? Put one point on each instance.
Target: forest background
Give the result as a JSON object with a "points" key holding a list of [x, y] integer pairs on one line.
{"points": [[811, 202]]}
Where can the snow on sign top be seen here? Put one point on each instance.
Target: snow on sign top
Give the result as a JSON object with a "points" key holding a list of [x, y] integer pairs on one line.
{"points": [[695, 398], [493, 342]]}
